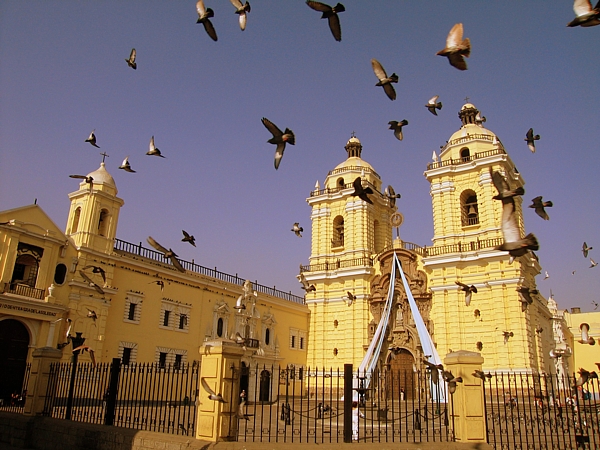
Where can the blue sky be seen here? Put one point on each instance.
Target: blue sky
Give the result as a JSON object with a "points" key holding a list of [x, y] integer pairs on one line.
{"points": [[63, 73]]}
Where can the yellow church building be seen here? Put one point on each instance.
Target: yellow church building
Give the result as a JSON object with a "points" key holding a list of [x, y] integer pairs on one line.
{"points": [[129, 300]]}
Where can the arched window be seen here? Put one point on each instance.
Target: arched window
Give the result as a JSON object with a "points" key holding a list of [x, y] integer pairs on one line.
{"points": [[103, 222], [469, 208], [75, 223], [26, 269], [60, 273], [337, 239], [465, 154], [340, 183]]}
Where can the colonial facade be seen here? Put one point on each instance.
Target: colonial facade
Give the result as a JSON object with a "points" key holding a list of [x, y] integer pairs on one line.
{"points": [[126, 300]]}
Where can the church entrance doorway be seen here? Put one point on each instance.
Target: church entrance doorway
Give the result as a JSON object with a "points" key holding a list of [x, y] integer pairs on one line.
{"points": [[401, 377], [14, 344]]}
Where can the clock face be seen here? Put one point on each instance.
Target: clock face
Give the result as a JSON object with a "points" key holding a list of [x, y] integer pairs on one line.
{"points": [[396, 219]]}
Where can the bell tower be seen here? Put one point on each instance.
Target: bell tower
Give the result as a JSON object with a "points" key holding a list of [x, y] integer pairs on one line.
{"points": [[346, 233], [467, 230], [94, 212]]}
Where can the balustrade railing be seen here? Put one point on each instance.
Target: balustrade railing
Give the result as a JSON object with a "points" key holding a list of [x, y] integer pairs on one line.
{"points": [[466, 159], [139, 250], [26, 291]]}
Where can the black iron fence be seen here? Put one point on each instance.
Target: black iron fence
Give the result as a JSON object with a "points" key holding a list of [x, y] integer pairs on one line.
{"points": [[15, 401], [542, 411], [309, 405], [142, 396]]}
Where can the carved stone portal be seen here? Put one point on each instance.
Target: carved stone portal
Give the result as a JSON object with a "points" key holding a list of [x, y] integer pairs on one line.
{"points": [[402, 334]]}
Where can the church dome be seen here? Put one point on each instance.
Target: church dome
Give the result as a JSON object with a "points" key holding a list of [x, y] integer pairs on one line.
{"points": [[101, 176]]}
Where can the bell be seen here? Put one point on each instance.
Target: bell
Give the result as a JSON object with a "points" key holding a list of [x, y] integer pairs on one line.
{"points": [[471, 211]]}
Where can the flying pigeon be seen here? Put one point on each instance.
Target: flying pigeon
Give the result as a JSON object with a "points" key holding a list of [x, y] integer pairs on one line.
{"points": [[546, 276], [307, 287], [361, 192], [152, 150], [513, 243], [456, 47], [391, 195], [96, 269], [126, 166], [586, 16], [92, 139], [433, 104], [86, 348], [593, 263], [481, 375], [351, 298], [507, 334], [168, 253], [91, 283], [584, 377], [530, 138], [331, 14], [525, 296], [297, 229], [397, 127], [585, 249], [188, 238], [434, 369], [279, 138], [384, 80], [469, 290], [87, 178], [92, 314], [161, 283], [242, 10], [595, 304], [449, 376], [238, 339], [539, 206], [131, 61], [211, 393], [204, 15], [479, 120]]}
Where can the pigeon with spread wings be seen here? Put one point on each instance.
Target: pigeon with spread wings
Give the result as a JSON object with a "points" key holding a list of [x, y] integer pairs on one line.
{"points": [[391, 195], [211, 393], [468, 290], [131, 60], [539, 206], [331, 14], [397, 127], [86, 348], [204, 15], [91, 282], [456, 47], [92, 139], [126, 166], [433, 104], [384, 80], [530, 138], [97, 269], [513, 243], [242, 10], [188, 238], [168, 253], [585, 15], [307, 287], [152, 150], [361, 192], [279, 138]]}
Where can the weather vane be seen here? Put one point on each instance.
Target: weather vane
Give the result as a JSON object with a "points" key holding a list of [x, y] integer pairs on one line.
{"points": [[104, 155]]}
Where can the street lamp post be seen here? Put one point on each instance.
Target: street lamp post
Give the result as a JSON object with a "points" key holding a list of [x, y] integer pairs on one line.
{"points": [[76, 341]]}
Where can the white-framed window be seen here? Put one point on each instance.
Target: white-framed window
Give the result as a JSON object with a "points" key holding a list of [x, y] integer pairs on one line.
{"points": [[127, 352], [173, 357], [297, 339], [174, 315], [133, 308], [220, 326]]}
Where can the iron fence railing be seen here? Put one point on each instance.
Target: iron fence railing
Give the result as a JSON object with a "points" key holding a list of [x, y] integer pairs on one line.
{"points": [[15, 400], [138, 249], [337, 264], [542, 411], [144, 396], [310, 406]]}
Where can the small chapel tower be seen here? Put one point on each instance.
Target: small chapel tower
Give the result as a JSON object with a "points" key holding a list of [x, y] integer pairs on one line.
{"points": [[467, 229], [94, 212], [346, 233]]}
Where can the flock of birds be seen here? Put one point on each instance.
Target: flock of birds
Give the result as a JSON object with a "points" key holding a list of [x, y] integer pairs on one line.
{"points": [[456, 50]]}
